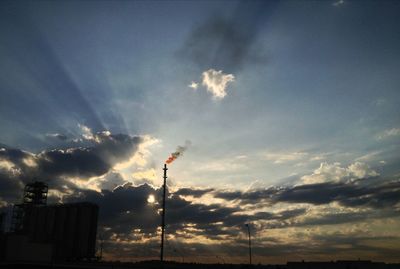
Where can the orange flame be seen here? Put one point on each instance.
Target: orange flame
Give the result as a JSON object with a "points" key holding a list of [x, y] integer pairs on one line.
{"points": [[179, 151], [169, 160]]}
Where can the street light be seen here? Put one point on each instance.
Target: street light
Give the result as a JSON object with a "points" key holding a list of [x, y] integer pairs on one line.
{"points": [[248, 230]]}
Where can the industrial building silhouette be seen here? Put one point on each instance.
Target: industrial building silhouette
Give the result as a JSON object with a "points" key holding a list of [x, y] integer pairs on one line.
{"points": [[49, 233]]}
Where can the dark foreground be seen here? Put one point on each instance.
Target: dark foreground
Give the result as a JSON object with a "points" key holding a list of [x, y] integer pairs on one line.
{"points": [[174, 265]]}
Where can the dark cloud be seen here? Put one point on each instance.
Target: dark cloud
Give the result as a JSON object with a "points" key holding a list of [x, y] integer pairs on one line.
{"points": [[53, 166], [90, 161], [126, 209], [228, 43], [249, 196], [351, 194], [14, 173], [10, 187], [15, 156], [193, 192], [340, 218]]}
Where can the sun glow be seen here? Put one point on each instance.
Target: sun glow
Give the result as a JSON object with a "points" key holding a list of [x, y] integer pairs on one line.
{"points": [[151, 199]]}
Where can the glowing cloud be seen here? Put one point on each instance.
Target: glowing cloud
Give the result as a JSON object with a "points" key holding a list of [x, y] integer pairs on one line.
{"points": [[216, 82], [86, 132], [193, 85], [336, 173]]}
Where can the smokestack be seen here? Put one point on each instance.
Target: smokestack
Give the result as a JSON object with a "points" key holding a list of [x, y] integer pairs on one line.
{"points": [[163, 213]]}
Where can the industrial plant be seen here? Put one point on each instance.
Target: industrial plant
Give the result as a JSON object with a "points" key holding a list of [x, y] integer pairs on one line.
{"points": [[49, 233]]}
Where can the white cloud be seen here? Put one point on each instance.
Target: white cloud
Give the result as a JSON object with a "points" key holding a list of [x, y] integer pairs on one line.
{"points": [[86, 132], [216, 82], [335, 173], [389, 133], [361, 170], [193, 85]]}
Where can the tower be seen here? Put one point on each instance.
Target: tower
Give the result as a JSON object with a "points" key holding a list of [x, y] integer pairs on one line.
{"points": [[34, 194]]}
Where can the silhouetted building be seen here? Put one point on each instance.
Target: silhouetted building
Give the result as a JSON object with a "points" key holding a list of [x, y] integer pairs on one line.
{"points": [[62, 232], [70, 228], [3, 216], [40, 232], [18, 248]]}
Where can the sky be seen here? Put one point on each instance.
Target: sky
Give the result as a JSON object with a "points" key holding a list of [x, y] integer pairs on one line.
{"points": [[286, 114]]}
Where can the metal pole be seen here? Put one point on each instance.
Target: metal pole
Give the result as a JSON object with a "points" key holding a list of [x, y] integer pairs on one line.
{"points": [[248, 229], [163, 214], [101, 247]]}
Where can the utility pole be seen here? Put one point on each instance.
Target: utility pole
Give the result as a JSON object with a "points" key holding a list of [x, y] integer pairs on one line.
{"points": [[101, 246], [163, 214], [248, 230]]}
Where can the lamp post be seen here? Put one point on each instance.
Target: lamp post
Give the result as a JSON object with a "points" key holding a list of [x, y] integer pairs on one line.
{"points": [[248, 230]]}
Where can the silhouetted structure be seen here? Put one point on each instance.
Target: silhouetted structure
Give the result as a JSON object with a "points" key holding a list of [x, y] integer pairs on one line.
{"points": [[3, 216], [44, 233], [34, 194]]}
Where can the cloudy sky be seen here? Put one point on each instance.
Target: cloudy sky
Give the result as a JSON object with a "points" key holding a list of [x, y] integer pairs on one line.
{"points": [[288, 111]]}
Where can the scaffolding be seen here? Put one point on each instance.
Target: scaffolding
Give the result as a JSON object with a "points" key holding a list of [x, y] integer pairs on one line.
{"points": [[34, 194]]}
